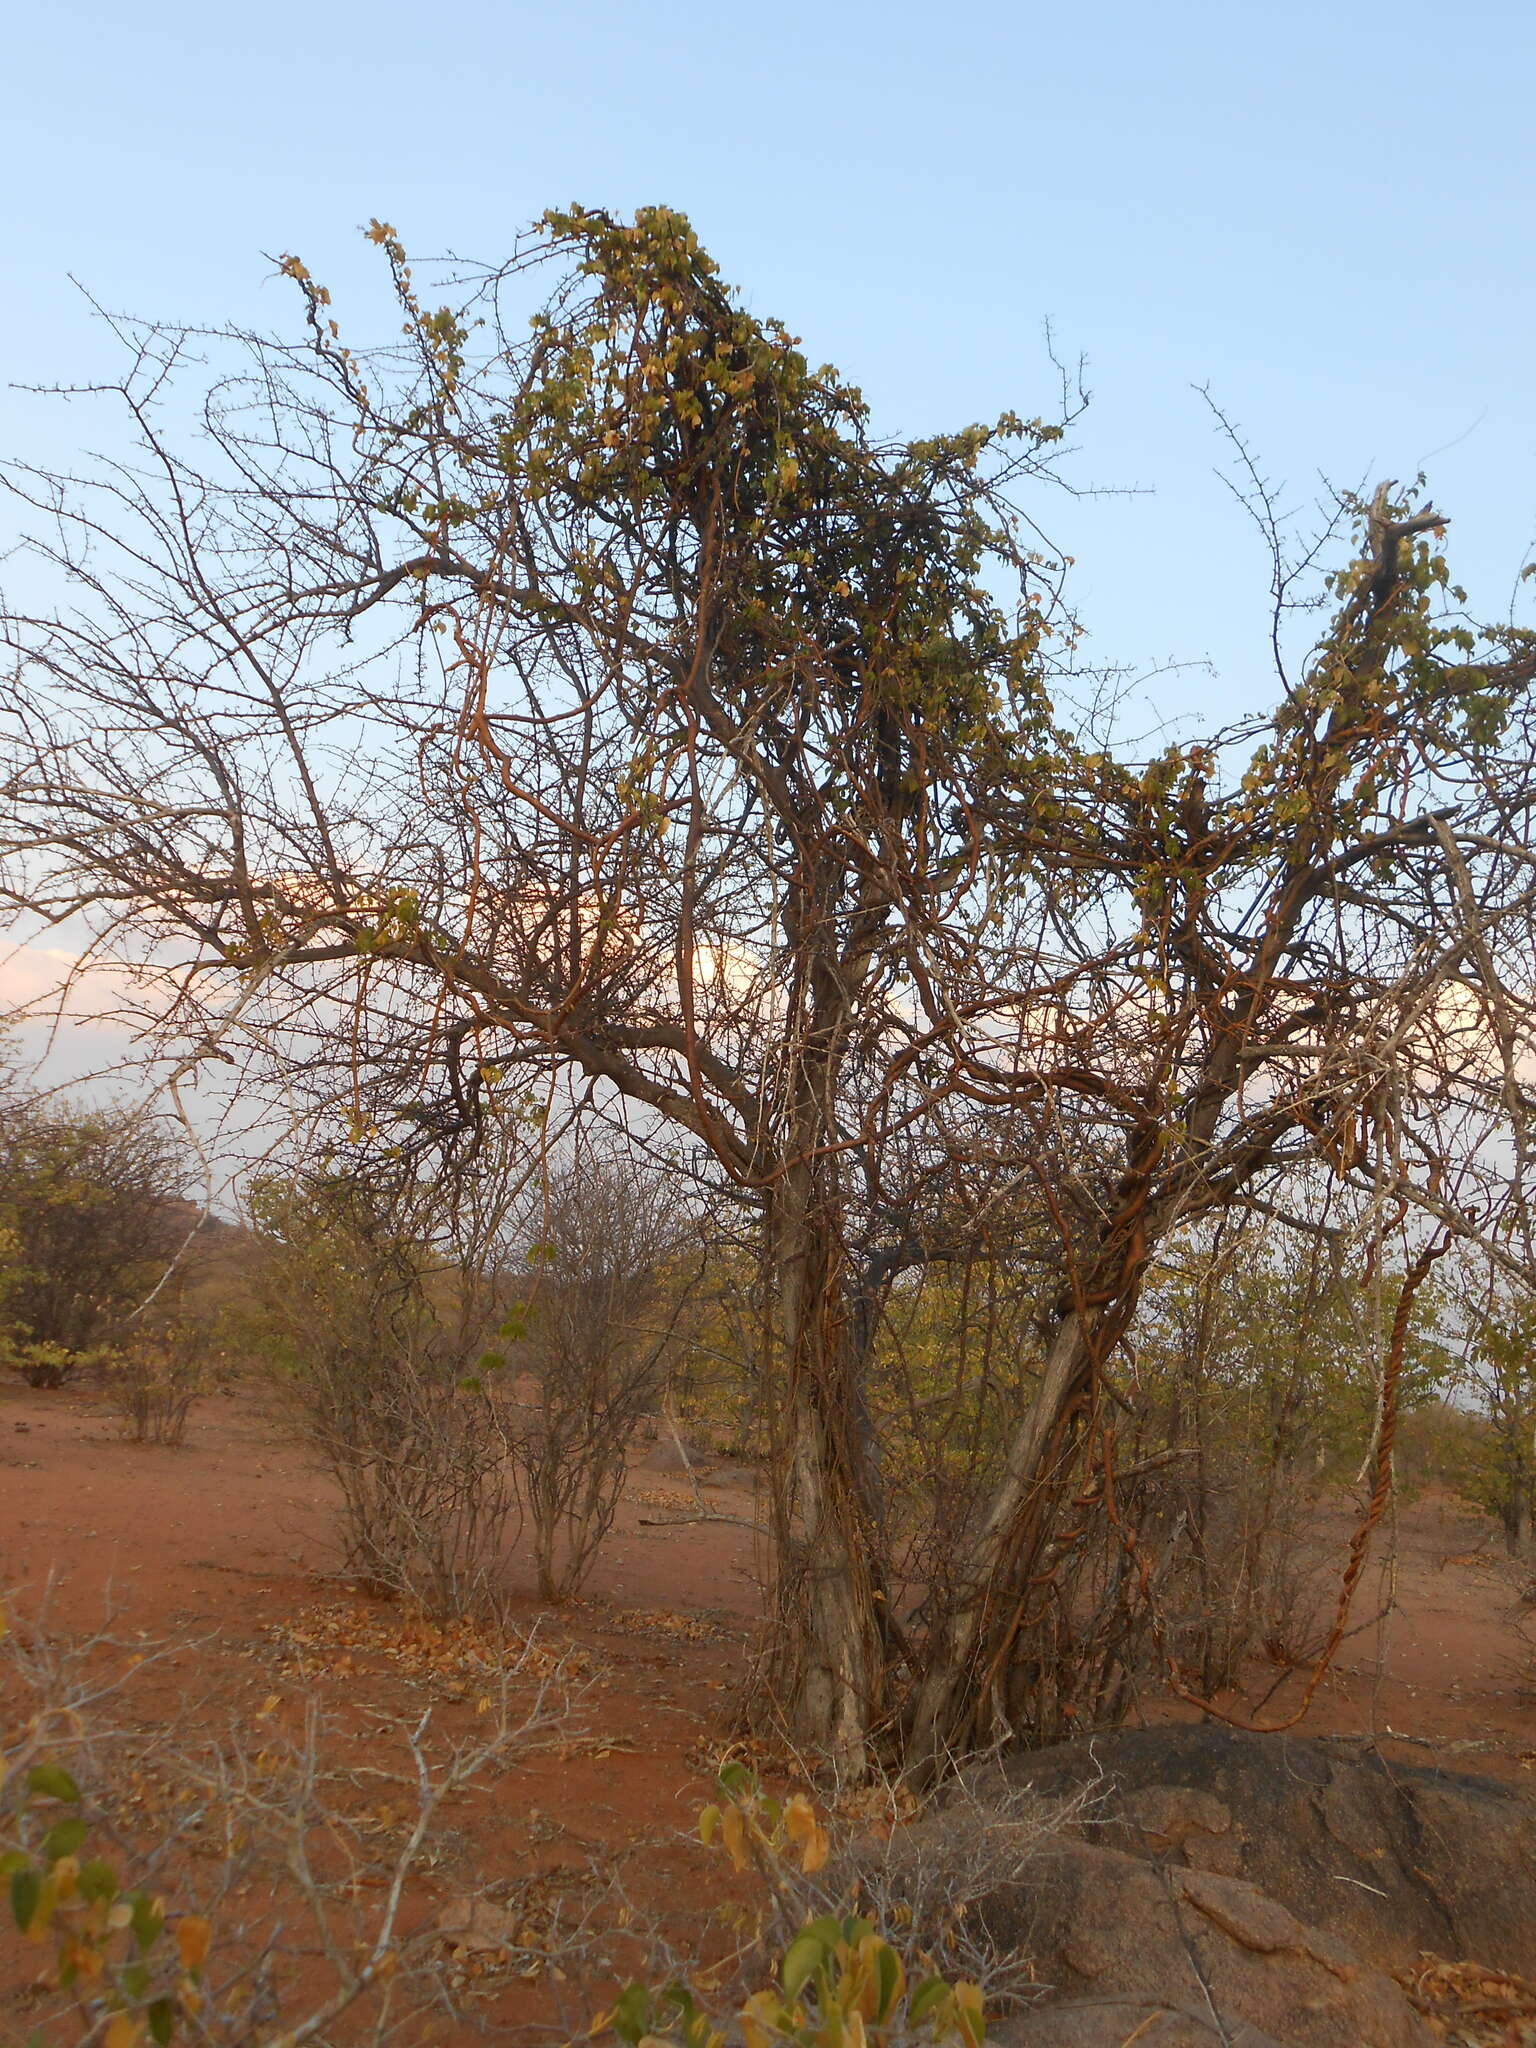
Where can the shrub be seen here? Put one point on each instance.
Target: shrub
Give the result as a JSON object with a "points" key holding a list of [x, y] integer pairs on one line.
{"points": [[392, 1390], [838, 1981], [87, 1214], [155, 1379], [50, 1365], [108, 1941], [610, 1289], [422, 1462], [839, 1978]]}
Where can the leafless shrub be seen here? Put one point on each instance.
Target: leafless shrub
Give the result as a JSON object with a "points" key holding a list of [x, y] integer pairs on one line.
{"points": [[600, 1334], [921, 1878], [237, 1889], [422, 1462], [379, 1352], [1248, 1578]]}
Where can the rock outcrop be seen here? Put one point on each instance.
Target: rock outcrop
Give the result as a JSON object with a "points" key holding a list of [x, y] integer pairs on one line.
{"points": [[1257, 1891], [1394, 1859], [1173, 1957]]}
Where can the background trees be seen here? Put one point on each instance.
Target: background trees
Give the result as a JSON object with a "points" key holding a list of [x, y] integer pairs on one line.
{"points": [[1497, 1327], [472, 1355], [597, 715], [89, 1217]]}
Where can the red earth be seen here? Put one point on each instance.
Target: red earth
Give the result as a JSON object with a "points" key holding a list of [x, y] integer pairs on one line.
{"points": [[221, 1551]]}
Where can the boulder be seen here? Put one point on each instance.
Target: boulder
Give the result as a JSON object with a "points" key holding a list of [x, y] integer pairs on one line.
{"points": [[1394, 1859], [1174, 1957]]}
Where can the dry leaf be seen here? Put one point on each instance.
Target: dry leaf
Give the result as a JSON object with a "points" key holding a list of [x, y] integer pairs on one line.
{"points": [[193, 1935]]}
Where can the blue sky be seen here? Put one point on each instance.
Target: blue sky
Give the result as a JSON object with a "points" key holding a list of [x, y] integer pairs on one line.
{"points": [[1324, 214]]}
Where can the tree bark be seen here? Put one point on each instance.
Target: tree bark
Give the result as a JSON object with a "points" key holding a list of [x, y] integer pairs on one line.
{"points": [[958, 1701], [830, 1597]]}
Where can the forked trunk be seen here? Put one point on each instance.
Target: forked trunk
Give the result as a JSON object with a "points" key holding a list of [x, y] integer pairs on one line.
{"points": [[831, 1651], [960, 1702]]}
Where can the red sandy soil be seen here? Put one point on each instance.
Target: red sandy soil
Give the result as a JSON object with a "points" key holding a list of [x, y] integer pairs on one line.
{"points": [[222, 1547], [223, 1544], [1440, 1662]]}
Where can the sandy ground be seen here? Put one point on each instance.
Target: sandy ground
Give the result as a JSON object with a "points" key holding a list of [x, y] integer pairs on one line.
{"points": [[1440, 1661], [221, 1548]]}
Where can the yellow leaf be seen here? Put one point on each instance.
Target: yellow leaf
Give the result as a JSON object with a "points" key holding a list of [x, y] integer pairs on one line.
{"points": [[970, 2019], [124, 2032], [43, 1911], [758, 2020], [733, 1832], [804, 1829], [799, 1818]]}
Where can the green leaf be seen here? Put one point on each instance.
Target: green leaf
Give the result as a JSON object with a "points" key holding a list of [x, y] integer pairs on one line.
{"points": [[887, 1979], [52, 1781], [66, 1838], [802, 1959], [97, 1880], [26, 1888], [828, 1932], [630, 2018], [147, 1921], [928, 1996], [161, 2015]]}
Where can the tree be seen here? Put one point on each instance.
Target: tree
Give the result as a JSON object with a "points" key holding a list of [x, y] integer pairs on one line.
{"points": [[603, 712], [1500, 1372], [88, 1222]]}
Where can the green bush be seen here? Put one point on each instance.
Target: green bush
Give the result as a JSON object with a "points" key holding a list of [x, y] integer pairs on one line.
{"points": [[840, 1982]]}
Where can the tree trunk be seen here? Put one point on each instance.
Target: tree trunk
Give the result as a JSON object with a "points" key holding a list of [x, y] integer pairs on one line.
{"points": [[1517, 1503], [829, 1663], [960, 1702]]}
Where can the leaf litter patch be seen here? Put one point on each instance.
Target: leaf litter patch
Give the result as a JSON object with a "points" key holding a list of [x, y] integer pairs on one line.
{"points": [[457, 1659], [1468, 2006]]}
